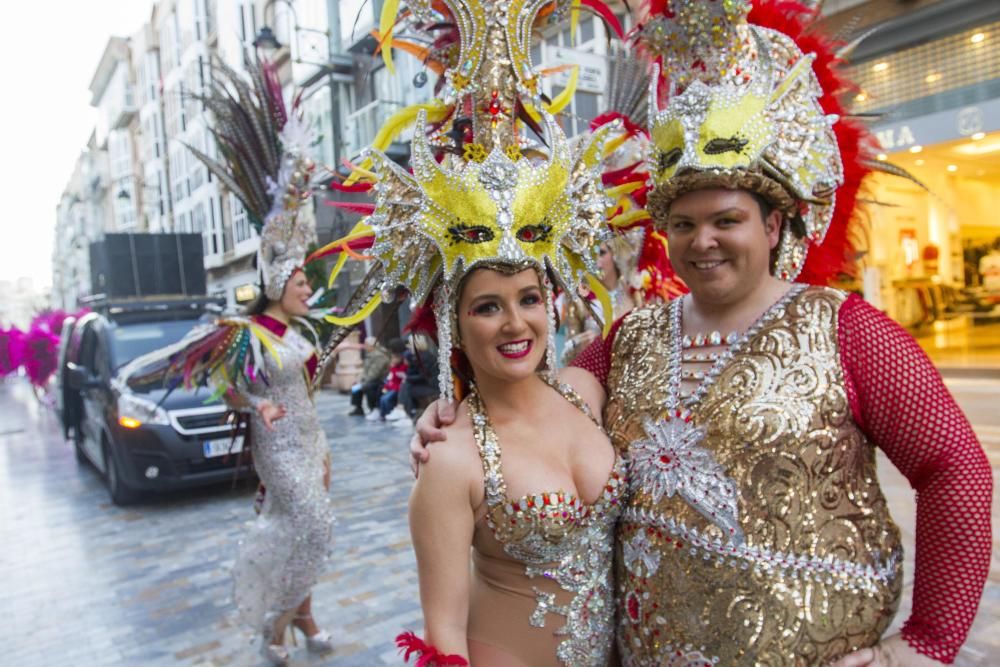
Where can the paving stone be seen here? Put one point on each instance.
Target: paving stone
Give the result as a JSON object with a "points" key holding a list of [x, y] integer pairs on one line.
{"points": [[89, 584]]}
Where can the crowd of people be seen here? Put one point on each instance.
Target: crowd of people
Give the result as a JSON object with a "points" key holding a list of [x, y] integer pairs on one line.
{"points": [[397, 380]]}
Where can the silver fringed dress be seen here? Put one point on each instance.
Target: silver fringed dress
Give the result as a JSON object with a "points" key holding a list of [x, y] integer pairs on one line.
{"points": [[284, 551]]}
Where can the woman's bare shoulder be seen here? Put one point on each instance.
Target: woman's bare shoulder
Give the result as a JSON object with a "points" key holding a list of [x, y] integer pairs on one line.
{"points": [[458, 452], [586, 385]]}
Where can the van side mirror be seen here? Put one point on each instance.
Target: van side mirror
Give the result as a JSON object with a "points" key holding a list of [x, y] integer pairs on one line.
{"points": [[80, 378]]}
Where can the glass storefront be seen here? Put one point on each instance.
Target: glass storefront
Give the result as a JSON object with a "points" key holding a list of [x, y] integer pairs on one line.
{"points": [[933, 253]]}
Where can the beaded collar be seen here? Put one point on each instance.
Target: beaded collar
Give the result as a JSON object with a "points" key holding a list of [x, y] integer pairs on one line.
{"points": [[674, 400]]}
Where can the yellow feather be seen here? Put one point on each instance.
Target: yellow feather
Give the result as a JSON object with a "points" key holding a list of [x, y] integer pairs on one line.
{"points": [[263, 335], [562, 100], [532, 111], [337, 268], [629, 218], [361, 171], [386, 22], [623, 205], [399, 121], [623, 189], [613, 145], [604, 298], [351, 320]]}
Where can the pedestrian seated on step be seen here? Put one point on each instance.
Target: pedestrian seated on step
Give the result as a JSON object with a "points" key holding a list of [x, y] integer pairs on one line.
{"points": [[368, 389], [420, 387], [393, 381]]}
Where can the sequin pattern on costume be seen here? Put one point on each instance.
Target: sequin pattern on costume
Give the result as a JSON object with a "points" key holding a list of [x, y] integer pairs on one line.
{"points": [[560, 538], [818, 571], [283, 553]]}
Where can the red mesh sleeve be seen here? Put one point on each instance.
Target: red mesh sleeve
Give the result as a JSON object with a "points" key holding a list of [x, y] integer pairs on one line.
{"points": [[596, 359], [901, 403]]}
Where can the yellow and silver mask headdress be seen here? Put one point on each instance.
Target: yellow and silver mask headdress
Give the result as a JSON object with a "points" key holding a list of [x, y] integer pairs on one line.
{"points": [[481, 192], [744, 109]]}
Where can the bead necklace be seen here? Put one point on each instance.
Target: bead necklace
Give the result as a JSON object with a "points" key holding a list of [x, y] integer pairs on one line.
{"points": [[700, 357], [674, 398], [711, 339]]}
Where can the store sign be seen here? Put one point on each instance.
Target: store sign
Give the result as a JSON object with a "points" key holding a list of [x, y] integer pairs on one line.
{"points": [[939, 127], [593, 69], [896, 138]]}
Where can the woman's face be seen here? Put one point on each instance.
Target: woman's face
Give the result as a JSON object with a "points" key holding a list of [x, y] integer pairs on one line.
{"points": [[502, 323], [719, 244], [296, 295]]}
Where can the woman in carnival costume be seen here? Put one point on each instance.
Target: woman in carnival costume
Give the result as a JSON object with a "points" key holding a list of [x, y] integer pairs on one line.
{"points": [[485, 226], [261, 364], [756, 531]]}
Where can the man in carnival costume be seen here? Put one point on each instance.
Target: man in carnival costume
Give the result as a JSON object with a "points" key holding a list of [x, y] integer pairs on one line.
{"points": [[756, 531]]}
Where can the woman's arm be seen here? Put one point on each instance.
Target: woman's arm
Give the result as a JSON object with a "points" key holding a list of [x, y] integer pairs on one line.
{"points": [[442, 522], [898, 399]]}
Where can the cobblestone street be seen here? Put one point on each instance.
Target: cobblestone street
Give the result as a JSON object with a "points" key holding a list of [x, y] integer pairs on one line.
{"points": [[87, 583]]}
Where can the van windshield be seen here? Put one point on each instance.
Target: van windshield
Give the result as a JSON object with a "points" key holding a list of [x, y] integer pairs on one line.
{"points": [[129, 341]]}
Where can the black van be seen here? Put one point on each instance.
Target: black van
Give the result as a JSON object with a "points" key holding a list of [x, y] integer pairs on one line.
{"points": [[138, 439]]}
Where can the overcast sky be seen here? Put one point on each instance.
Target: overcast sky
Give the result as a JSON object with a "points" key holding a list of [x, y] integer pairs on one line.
{"points": [[49, 50]]}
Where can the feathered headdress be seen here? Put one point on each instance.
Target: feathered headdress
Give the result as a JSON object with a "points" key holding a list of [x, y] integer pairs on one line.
{"points": [[639, 250], [482, 192], [745, 97], [264, 164]]}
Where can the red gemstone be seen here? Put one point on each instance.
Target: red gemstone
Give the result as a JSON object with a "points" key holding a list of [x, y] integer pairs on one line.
{"points": [[632, 606]]}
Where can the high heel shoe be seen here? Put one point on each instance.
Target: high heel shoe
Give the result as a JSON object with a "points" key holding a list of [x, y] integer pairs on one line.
{"points": [[321, 642], [276, 654]]}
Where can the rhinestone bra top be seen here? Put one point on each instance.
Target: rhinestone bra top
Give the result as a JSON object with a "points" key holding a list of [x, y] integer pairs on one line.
{"points": [[557, 536], [549, 515]]}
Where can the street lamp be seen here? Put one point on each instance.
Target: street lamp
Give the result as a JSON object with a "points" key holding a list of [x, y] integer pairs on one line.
{"points": [[336, 68], [265, 39]]}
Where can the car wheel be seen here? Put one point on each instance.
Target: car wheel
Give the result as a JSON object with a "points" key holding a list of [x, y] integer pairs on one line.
{"points": [[121, 494]]}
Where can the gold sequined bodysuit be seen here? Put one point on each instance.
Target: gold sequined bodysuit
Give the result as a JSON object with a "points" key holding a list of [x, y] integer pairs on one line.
{"points": [[542, 555], [756, 532]]}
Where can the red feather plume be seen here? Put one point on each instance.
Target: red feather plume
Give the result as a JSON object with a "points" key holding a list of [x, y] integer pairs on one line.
{"points": [[826, 261]]}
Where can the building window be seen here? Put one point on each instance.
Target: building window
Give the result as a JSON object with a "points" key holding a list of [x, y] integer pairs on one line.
{"points": [[242, 231], [177, 170], [161, 192]]}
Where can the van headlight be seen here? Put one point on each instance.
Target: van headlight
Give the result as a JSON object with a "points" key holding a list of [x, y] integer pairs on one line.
{"points": [[133, 412]]}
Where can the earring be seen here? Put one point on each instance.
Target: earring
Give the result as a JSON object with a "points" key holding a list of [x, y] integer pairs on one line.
{"points": [[550, 343], [442, 313]]}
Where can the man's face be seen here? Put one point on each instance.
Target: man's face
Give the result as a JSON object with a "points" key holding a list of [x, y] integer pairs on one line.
{"points": [[718, 243]]}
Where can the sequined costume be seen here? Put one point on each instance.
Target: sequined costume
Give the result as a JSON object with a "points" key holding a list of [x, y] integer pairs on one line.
{"points": [[285, 549], [756, 532], [542, 589]]}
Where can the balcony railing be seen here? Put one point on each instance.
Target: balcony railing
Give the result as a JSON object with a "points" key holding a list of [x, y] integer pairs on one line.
{"points": [[361, 126]]}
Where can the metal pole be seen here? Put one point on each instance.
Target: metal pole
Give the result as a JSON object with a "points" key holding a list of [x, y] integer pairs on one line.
{"points": [[135, 264], [181, 266], [334, 47]]}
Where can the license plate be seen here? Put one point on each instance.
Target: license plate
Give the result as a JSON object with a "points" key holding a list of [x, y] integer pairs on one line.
{"points": [[223, 446]]}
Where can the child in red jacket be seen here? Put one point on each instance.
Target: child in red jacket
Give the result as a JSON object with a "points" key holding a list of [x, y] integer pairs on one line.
{"points": [[393, 382]]}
